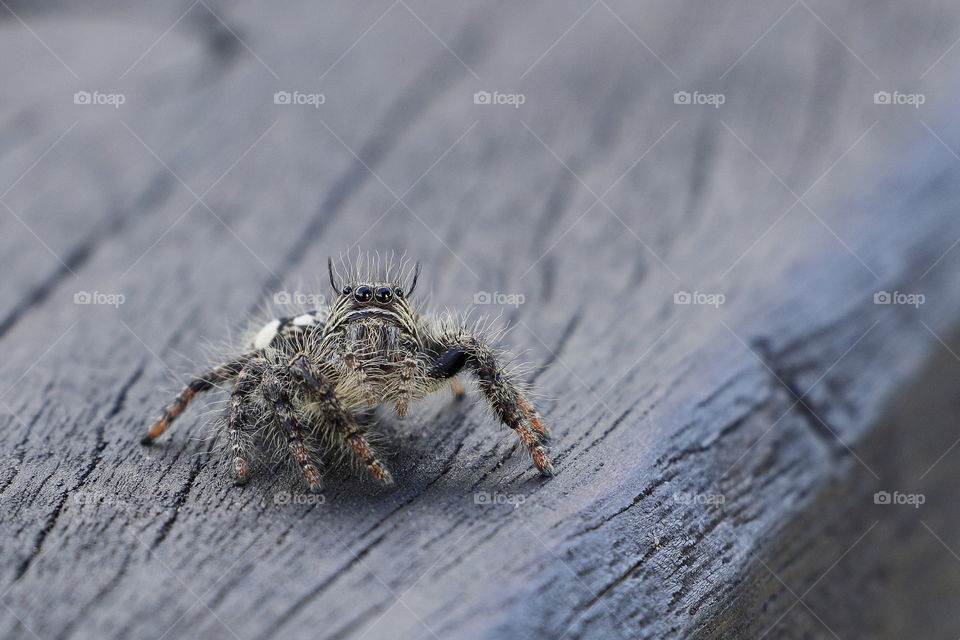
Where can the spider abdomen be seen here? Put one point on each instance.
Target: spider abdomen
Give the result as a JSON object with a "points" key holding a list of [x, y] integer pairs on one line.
{"points": [[281, 330]]}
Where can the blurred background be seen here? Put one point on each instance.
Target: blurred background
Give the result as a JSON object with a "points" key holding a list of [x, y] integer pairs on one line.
{"points": [[723, 233]]}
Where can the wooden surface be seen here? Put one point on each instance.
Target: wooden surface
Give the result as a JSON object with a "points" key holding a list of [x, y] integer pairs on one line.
{"points": [[716, 465]]}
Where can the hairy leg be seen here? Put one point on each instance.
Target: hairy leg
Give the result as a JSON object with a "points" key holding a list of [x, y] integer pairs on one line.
{"points": [[285, 417], [354, 358], [202, 382], [456, 387], [337, 416], [459, 350], [406, 369], [238, 422]]}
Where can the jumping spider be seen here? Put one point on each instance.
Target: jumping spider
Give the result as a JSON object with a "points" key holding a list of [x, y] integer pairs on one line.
{"points": [[303, 382]]}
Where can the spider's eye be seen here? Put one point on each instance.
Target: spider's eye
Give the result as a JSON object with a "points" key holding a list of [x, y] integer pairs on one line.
{"points": [[347, 290], [398, 292], [384, 295], [363, 293]]}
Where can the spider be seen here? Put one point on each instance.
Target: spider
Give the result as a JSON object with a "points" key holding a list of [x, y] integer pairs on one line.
{"points": [[304, 383]]}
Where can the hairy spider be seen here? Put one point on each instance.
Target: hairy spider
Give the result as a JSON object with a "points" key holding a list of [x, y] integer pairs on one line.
{"points": [[302, 382]]}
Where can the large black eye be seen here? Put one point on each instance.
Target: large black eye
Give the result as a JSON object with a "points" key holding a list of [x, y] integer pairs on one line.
{"points": [[363, 293], [384, 295]]}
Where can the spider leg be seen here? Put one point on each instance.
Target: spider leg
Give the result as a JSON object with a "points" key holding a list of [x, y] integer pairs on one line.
{"points": [[343, 422], [407, 369], [461, 350], [354, 360], [456, 386], [285, 417], [203, 382], [238, 422]]}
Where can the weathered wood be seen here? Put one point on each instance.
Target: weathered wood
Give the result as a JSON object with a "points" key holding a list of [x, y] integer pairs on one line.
{"points": [[597, 199]]}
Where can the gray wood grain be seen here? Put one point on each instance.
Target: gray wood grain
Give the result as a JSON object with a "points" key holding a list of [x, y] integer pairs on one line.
{"points": [[716, 465]]}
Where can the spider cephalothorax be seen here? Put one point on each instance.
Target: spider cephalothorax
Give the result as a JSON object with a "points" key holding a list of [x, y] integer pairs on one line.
{"points": [[372, 331], [302, 380]]}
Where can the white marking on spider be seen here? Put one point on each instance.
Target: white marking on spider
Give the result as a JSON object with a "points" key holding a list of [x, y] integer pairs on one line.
{"points": [[305, 320], [266, 335]]}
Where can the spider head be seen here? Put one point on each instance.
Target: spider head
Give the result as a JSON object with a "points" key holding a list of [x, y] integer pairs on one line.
{"points": [[364, 294], [373, 294]]}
